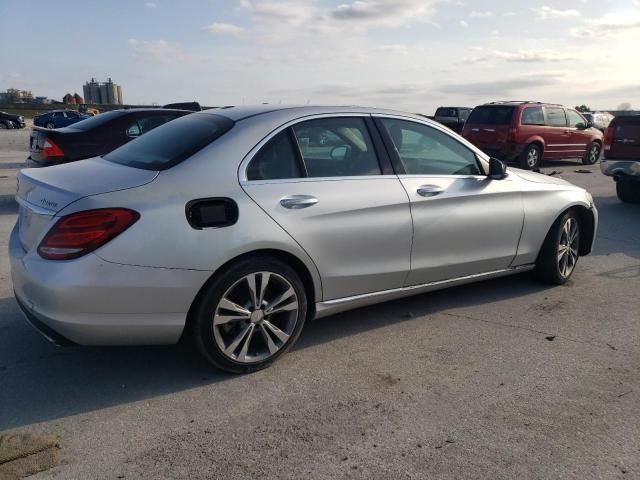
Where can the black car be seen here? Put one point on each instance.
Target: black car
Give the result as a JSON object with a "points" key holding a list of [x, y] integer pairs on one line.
{"points": [[8, 121], [452, 117], [95, 136]]}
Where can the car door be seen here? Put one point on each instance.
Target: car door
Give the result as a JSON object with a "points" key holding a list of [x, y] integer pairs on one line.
{"points": [[464, 223], [580, 135], [323, 181], [557, 136]]}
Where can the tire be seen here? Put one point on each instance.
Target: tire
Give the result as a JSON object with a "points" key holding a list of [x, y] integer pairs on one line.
{"points": [[221, 325], [531, 157], [628, 191], [592, 155], [559, 254], [50, 125]]}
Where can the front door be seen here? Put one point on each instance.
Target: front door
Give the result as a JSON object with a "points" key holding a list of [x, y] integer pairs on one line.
{"points": [[464, 222], [557, 136], [580, 135], [322, 182]]}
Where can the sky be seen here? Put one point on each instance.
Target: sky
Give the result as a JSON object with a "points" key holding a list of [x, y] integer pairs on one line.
{"points": [[412, 55]]}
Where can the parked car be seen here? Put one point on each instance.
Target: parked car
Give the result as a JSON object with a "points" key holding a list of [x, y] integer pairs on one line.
{"points": [[58, 118], [95, 136], [9, 121], [600, 120], [621, 158], [529, 133], [232, 228], [452, 117]]}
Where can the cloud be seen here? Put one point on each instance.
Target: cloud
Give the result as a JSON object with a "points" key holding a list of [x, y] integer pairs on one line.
{"points": [[464, 24], [503, 87], [481, 14], [608, 26], [521, 56], [509, 14], [388, 13], [151, 5], [160, 51], [224, 29], [546, 13]]}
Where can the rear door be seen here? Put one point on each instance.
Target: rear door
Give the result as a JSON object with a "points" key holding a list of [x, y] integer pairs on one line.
{"points": [[626, 139], [488, 127], [323, 181], [464, 223], [557, 136]]}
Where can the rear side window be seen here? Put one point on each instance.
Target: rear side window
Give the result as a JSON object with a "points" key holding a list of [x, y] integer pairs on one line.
{"points": [[172, 143], [555, 117], [490, 115], [532, 116], [276, 160]]}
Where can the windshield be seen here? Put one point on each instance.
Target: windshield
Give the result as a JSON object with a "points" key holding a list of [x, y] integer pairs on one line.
{"points": [[93, 122], [171, 143], [490, 115]]}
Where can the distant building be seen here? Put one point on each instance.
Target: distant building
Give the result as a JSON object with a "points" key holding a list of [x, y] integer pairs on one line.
{"points": [[14, 95], [102, 92], [78, 98], [68, 99]]}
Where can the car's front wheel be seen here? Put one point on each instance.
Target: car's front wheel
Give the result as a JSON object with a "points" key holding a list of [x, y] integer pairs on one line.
{"points": [[531, 157], [628, 191], [50, 125], [560, 251], [592, 154], [250, 315]]}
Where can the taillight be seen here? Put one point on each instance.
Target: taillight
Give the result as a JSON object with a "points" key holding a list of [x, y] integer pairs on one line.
{"points": [[50, 149], [80, 233], [608, 138]]}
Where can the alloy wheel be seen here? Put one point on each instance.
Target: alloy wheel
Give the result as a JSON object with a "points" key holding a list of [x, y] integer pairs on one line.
{"points": [[594, 153], [255, 317], [568, 247], [532, 157]]}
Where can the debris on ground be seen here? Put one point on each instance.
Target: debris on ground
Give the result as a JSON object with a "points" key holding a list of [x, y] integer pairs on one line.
{"points": [[22, 455], [551, 338], [582, 171]]}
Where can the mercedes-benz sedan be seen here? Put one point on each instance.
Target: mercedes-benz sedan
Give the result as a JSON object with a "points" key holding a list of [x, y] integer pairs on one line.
{"points": [[235, 226]]}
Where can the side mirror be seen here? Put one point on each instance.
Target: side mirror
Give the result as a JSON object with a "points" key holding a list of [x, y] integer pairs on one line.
{"points": [[497, 169], [581, 125]]}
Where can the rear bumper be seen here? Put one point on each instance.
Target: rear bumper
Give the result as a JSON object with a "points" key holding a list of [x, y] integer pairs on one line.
{"points": [[90, 301], [613, 168]]}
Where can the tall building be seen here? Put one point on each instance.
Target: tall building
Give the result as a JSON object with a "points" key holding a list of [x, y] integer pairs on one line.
{"points": [[102, 92]]}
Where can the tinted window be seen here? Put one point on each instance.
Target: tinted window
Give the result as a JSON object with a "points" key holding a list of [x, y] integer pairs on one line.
{"points": [[575, 119], [464, 114], [532, 116], [92, 122], [426, 151], [490, 115], [555, 117], [171, 143], [446, 112], [336, 147], [276, 160], [146, 124]]}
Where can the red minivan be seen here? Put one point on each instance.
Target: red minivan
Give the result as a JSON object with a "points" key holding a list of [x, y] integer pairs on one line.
{"points": [[527, 133]]}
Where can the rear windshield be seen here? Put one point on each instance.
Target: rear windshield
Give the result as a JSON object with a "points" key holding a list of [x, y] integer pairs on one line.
{"points": [[491, 116], [446, 112], [171, 143], [93, 122]]}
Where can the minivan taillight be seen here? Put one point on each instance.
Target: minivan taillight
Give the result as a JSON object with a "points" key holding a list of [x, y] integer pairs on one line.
{"points": [[80, 233], [608, 138], [50, 149]]}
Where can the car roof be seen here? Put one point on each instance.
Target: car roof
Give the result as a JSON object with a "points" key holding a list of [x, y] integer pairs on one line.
{"points": [[246, 111], [515, 103], [149, 109]]}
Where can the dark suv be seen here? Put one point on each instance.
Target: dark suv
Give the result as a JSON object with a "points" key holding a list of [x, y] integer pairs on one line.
{"points": [[452, 117], [621, 159], [527, 133]]}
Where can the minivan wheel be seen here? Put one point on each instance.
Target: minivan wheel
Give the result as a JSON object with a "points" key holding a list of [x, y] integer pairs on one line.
{"points": [[250, 315], [531, 157], [560, 251], [592, 154], [50, 125], [628, 191]]}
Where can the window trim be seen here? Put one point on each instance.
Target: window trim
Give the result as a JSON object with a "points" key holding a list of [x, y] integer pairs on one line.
{"points": [[397, 162], [384, 161]]}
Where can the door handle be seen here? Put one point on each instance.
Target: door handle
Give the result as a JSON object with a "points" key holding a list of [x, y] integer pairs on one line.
{"points": [[295, 202], [429, 190]]}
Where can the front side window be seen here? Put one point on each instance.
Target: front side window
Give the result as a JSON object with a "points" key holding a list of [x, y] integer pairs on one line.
{"points": [[276, 160], [575, 118], [532, 116], [336, 147], [424, 150], [555, 117]]}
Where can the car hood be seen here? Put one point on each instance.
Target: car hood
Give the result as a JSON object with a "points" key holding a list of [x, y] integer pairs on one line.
{"points": [[539, 177]]}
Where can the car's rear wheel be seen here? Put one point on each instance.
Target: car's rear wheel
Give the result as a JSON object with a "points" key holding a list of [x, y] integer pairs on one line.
{"points": [[628, 191], [531, 157], [559, 254], [592, 154], [50, 125], [250, 315]]}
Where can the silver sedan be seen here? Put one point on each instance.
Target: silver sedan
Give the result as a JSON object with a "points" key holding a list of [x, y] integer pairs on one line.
{"points": [[232, 227]]}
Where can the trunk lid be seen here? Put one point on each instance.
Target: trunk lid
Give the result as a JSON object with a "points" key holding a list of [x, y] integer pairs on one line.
{"points": [[43, 192], [625, 143]]}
